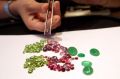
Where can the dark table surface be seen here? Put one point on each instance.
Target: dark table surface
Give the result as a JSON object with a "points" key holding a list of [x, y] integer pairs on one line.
{"points": [[68, 24]]}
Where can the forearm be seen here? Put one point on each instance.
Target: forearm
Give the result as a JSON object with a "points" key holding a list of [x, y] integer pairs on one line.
{"points": [[104, 3]]}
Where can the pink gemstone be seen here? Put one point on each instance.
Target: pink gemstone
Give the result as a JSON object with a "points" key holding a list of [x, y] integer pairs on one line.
{"points": [[64, 49], [72, 68], [44, 49], [62, 53], [76, 58], [63, 69], [68, 56]]}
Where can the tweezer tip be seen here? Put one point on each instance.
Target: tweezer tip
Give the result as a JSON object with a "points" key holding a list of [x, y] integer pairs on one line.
{"points": [[47, 35]]}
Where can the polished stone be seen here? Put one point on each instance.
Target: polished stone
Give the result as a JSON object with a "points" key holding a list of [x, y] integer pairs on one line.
{"points": [[81, 55], [87, 70], [72, 51], [94, 52], [86, 63]]}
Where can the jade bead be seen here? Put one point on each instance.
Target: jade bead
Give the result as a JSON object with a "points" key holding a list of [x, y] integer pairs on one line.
{"points": [[72, 51], [87, 70], [94, 52], [86, 63]]}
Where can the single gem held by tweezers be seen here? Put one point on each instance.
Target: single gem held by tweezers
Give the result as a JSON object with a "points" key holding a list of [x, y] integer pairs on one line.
{"points": [[94, 52], [87, 70], [72, 51]]}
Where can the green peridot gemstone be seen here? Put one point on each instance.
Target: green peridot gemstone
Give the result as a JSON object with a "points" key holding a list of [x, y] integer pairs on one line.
{"points": [[87, 70], [87, 63], [35, 47], [34, 62], [94, 52], [81, 55], [72, 51]]}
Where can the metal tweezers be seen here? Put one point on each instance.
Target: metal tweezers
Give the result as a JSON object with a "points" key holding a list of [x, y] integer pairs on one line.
{"points": [[49, 14]]}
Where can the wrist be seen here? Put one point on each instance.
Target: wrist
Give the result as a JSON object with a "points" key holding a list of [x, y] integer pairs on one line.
{"points": [[9, 9], [13, 9]]}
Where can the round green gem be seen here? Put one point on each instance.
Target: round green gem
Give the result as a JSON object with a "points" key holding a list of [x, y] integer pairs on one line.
{"points": [[87, 70], [86, 63], [94, 52], [72, 51], [81, 55]]}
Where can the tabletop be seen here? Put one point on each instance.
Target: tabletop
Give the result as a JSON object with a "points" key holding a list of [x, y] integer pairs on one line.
{"points": [[106, 65]]}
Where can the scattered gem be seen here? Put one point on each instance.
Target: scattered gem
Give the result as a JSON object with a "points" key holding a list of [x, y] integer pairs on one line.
{"points": [[86, 63], [94, 52], [81, 55], [72, 51], [88, 70]]}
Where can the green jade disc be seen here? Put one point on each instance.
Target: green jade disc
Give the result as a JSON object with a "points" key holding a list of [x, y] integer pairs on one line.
{"points": [[87, 63], [81, 55], [72, 51], [87, 70], [94, 52]]}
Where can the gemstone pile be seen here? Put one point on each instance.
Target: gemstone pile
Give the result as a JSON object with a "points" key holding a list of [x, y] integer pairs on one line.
{"points": [[54, 62], [35, 47], [34, 62], [61, 64]]}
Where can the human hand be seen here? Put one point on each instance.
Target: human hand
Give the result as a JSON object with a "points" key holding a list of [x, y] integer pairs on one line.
{"points": [[104, 3], [33, 13]]}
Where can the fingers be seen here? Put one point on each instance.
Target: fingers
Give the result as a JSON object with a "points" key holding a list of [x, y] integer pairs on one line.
{"points": [[41, 16], [33, 23], [56, 21], [36, 19], [57, 15], [57, 8], [38, 7]]}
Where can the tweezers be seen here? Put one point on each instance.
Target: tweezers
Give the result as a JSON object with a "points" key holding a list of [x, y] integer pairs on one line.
{"points": [[49, 14]]}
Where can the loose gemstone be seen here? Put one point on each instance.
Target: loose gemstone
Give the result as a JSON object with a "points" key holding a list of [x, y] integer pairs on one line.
{"points": [[64, 49], [94, 52], [45, 49], [81, 55], [72, 51], [86, 63], [88, 70], [76, 58]]}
